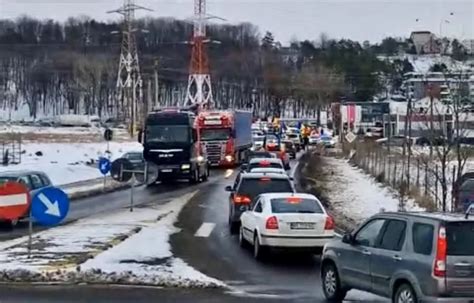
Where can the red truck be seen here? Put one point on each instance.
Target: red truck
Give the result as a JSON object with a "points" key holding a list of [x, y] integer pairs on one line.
{"points": [[225, 135]]}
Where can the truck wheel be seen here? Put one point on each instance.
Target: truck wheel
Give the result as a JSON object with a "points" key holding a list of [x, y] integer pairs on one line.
{"points": [[195, 176], [206, 174]]}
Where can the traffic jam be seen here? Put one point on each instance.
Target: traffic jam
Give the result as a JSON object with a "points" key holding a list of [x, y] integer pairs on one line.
{"points": [[266, 213]]}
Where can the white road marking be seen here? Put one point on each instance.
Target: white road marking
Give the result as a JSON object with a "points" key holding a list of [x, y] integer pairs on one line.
{"points": [[205, 230], [12, 200]]}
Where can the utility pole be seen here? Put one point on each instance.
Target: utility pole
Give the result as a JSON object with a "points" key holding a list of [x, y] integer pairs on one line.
{"points": [[156, 101], [431, 121], [199, 82], [129, 80]]}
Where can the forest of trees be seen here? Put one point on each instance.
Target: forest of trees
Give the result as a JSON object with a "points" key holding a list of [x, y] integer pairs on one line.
{"points": [[71, 67]]}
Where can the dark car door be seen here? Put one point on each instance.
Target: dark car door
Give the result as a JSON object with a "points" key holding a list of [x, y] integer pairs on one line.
{"points": [[387, 257], [355, 258]]}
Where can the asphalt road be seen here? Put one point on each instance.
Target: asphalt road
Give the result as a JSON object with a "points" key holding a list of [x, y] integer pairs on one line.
{"points": [[282, 278], [291, 278], [82, 208]]}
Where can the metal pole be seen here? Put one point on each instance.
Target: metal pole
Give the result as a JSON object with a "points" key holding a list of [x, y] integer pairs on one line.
{"points": [[30, 233], [131, 192], [105, 180]]}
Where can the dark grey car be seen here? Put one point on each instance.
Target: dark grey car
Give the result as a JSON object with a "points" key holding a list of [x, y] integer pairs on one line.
{"points": [[408, 257], [136, 158], [247, 187], [34, 181]]}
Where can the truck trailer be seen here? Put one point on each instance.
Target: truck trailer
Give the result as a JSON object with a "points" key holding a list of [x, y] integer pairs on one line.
{"points": [[225, 135]]}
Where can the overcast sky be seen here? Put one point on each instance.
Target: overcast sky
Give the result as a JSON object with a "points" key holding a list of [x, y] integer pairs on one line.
{"points": [[302, 19]]}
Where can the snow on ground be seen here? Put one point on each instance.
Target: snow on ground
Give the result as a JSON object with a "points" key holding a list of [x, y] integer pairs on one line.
{"points": [[357, 195], [122, 247], [68, 163], [148, 255], [423, 63]]}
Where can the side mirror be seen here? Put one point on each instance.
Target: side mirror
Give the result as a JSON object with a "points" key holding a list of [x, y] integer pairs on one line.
{"points": [[229, 188], [347, 238], [292, 179], [140, 136]]}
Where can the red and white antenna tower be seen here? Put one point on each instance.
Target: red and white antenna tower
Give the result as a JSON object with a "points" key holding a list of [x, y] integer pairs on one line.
{"points": [[199, 82]]}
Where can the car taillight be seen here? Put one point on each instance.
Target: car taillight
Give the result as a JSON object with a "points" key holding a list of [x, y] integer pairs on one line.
{"points": [[329, 225], [439, 269], [239, 199], [272, 223]]}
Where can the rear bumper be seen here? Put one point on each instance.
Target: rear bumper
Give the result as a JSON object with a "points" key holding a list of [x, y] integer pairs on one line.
{"points": [[295, 242]]}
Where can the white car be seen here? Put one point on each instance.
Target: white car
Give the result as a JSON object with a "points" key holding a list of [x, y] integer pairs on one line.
{"points": [[268, 170], [288, 221]]}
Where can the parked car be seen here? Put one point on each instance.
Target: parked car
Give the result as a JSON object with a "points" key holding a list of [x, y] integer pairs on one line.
{"points": [[409, 257], [286, 221], [33, 180], [247, 186], [136, 158]]}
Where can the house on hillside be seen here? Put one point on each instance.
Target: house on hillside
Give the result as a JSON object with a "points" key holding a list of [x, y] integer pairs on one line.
{"points": [[425, 42]]}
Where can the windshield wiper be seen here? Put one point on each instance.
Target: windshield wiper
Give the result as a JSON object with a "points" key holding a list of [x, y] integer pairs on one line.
{"points": [[306, 212]]}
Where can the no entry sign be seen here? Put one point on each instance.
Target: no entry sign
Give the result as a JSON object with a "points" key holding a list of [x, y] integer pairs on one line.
{"points": [[14, 200]]}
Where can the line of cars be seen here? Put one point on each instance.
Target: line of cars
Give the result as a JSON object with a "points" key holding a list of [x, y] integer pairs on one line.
{"points": [[268, 214]]}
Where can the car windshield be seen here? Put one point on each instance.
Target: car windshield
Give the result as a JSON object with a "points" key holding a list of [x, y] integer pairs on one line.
{"points": [[221, 134], [167, 133], [295, 205], [252, 187], [260, 155], [460, 237], [258, 138]]}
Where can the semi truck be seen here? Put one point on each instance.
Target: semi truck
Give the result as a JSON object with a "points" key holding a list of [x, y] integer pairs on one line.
{"points": [[226, 135], [171, 144]]}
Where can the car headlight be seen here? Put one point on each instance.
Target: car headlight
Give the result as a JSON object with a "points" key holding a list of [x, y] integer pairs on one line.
{"points": [[252, 148], [200, 159], [185, 166], [229, 158]]}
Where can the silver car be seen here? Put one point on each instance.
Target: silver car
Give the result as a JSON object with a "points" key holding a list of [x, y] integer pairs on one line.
{"points": [[408, 257]]}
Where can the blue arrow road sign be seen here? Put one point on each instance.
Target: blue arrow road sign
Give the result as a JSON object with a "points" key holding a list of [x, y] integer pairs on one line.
{"points": [[50, 206], [104, 166]]}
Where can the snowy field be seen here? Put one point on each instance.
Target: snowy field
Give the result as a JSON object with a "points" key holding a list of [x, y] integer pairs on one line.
{"points": [[122, 247], [357, 195], [69, 162]]}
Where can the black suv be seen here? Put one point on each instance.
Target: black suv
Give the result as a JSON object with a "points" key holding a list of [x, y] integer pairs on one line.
{"points": [[247, 187]]}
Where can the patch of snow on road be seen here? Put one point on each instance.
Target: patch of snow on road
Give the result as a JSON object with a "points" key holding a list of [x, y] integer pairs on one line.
{"points": [[68, 163], [147, 255], [357, 195]]}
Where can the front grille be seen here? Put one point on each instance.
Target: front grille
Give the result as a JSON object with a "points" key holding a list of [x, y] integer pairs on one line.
{"points": [[214, 152]]}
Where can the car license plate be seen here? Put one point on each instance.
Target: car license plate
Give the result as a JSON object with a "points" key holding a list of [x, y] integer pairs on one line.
{"points": [[298, 225], [166, 170]]}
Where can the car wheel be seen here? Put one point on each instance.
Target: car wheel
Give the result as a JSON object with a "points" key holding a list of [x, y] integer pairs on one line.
{"points": [[405, 294], [233, 227], [258, 250], [332, 284], [243, 243]]}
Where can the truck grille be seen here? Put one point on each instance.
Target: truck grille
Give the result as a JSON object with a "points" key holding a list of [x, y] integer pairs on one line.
{"points": [[214, 152]]}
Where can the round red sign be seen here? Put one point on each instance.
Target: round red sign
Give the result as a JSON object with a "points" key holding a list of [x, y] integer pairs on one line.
{"points": [[14, 200]]}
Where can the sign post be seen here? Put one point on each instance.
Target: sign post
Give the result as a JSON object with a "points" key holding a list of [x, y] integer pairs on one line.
{"points": [[122, 171], [49, 207], [104, 167], [108, 136]]}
